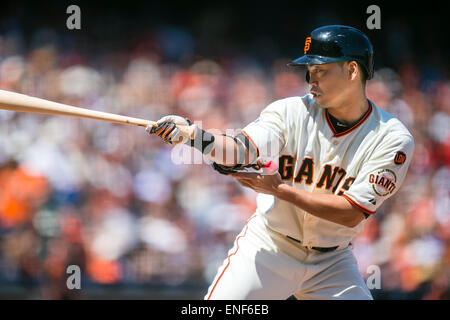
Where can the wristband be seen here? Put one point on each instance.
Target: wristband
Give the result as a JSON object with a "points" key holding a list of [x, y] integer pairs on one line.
{"points": [[203, 141]]}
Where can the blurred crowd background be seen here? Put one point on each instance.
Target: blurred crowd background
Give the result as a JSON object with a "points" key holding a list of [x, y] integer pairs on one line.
{"points": [[109, 198]]}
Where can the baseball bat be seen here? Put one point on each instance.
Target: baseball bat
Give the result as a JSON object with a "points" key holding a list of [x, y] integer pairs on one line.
{"points": [[20, 102]]}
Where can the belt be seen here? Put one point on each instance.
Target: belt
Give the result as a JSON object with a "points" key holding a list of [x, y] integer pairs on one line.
{"points": [[321, 249]]}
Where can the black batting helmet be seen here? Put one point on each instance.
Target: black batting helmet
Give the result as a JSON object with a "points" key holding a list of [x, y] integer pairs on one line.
{"points": [[335, 43]]}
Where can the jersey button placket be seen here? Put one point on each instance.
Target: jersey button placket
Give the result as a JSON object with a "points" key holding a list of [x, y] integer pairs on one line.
{"points": [[334, 143]]}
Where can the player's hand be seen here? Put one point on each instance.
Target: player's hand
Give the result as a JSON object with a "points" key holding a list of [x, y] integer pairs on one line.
{"points": [[173, 129], [260, 183]]}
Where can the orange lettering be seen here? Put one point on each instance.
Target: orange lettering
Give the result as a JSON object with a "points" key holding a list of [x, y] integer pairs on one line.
{"points": [[307, 42]]}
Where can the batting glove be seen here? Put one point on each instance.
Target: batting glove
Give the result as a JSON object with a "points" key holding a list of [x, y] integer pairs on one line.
{"points": [[173, 129]]}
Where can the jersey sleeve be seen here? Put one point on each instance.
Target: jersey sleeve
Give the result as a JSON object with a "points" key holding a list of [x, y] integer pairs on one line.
{"points": [[268, 132], [382, 175]]}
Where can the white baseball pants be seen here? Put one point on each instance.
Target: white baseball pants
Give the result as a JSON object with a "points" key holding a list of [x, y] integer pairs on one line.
{"points": [[264, 264]]}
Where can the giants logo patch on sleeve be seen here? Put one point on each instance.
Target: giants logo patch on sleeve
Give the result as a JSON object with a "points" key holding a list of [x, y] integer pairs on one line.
{"points": [[383, 182], [400, 157]]}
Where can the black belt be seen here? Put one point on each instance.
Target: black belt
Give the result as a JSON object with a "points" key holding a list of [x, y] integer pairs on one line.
{"points": [[321, 249]]}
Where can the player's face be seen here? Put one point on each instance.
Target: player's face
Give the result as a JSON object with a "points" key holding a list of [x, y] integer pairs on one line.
{"points": [[328, 84]]}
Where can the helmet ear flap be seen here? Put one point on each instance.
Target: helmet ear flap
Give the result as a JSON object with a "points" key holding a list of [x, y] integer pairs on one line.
{"points": [[307, 76]]}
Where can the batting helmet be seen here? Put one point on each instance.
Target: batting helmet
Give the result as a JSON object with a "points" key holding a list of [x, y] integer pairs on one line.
{"points": [[335, 43]]}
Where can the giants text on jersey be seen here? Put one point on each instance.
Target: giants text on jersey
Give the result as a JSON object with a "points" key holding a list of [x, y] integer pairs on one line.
{"points": [[365, 163]]}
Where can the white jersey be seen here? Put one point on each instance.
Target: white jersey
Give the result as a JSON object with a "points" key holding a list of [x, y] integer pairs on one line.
{"points": [[365, 164]]}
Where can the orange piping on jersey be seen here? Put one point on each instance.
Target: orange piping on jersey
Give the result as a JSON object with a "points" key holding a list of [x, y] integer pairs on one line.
{"points": [[251, 141], [229, 257], [354, 203], [327, 116]]}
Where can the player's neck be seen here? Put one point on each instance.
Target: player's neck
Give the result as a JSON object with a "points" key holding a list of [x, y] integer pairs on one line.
{"points": [[351, 110]]}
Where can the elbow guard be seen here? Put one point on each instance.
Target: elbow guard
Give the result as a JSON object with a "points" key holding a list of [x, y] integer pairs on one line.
{"points": [[247, 152]]}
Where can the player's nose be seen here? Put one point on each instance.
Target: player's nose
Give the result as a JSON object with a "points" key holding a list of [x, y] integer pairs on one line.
{"points": [[312, 78]]}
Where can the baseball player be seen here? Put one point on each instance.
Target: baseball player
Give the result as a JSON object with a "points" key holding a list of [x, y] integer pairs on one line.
{"points": [[339, 158]]}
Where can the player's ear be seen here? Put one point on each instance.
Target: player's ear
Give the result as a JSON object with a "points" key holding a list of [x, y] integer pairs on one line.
{"points": [[353, 70]]}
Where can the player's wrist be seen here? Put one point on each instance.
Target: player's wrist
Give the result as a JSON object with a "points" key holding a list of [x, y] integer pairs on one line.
{"points": [[282, 191], [201, 140]]}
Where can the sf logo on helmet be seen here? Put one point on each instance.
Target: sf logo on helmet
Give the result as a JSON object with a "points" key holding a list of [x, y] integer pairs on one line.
{"points": [[307, 42]]}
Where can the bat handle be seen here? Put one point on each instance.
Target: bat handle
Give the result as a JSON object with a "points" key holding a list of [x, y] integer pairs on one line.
{"points": [[141, 122]]}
